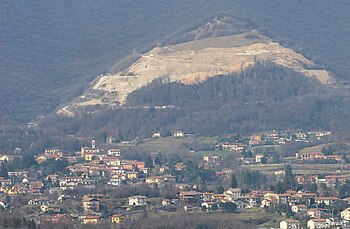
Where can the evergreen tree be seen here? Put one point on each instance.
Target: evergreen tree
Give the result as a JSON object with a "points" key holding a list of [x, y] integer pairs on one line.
{"points": [[289, 181], [148, 162], [234, 183], [3, 171], [159, 159]]}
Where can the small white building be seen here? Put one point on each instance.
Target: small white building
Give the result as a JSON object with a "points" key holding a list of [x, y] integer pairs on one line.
{"points": [[314, 212], [179, 134], [317, 224], [156, 135], [137, 201], [233, 193], [290, 224], [299, 208], [114, 152], [345, 214], [258, 157]]}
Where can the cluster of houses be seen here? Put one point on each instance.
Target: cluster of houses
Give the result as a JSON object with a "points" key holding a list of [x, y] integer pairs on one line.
{"points": [[313, 156], [301, 203], [88, 169], [273, 138]]}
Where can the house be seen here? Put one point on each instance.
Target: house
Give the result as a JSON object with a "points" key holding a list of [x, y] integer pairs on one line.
{"points": [[251, 199], [156, 135], [218, 197], [38, 201], [160, 179], [180, 166], [335, 179], [179, 134], [50, 208], [168, 202], [212, 158], [90, 219], [337, 158], [301, 136], [91, 204], [253, 143], [317, 223], [35, 187], [190, 196], [70, 183], [306, 179], [310, 156], [117, 218], [92, 150], [345, 214], [53, 151], [233, 193], [236, 147], [315, 213], [284, 198], [241, 203], [299, 208], [327, 200], [258, 157], [290, 224], [5, 182], [117, 179], [137, 201], [132, 175], [55, 219], [114, 152]]}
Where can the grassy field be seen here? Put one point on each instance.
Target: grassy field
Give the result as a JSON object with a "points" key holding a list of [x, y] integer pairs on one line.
{"points": [[317, 148], [307, 169], [170, 144]]}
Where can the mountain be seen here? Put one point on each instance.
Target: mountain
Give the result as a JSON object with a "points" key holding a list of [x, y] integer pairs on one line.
{"points": [[51, 50], [193, 62]]}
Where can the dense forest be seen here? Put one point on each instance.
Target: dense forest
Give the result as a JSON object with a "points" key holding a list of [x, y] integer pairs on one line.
{"points": [[265, 97], [51, 50]]}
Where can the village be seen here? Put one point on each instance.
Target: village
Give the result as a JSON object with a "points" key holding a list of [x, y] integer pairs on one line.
{"points": [[102, 186]]}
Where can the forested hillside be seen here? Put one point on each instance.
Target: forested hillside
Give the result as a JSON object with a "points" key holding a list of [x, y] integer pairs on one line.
{"points": [[265, 97], [51, 50]]}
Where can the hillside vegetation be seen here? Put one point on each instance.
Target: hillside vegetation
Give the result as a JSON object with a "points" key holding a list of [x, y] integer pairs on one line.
{"points": [[264, 97], [193, 62], [51, 50]]}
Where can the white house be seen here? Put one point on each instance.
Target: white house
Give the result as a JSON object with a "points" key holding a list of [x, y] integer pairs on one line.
{"points": [[258, 157], [156, 135], [314, 212], [179, 134], [137, 201], [317, 223], [233, 193], [114, 152], [290, 224], [299, 208], [345, 214]]}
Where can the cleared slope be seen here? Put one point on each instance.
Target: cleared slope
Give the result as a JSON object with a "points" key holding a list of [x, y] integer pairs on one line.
{"points": [[194, 62]]}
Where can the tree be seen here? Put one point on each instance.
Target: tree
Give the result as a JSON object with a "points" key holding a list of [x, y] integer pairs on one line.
{"points": [[289, 181], [219, 189], [159, 159], [229, 206], [148, 162], [234, 183], [214, 207], [3, 171]]}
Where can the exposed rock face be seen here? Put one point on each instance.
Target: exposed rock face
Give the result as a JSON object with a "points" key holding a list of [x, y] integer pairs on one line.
{"points": [[194, 62]]}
